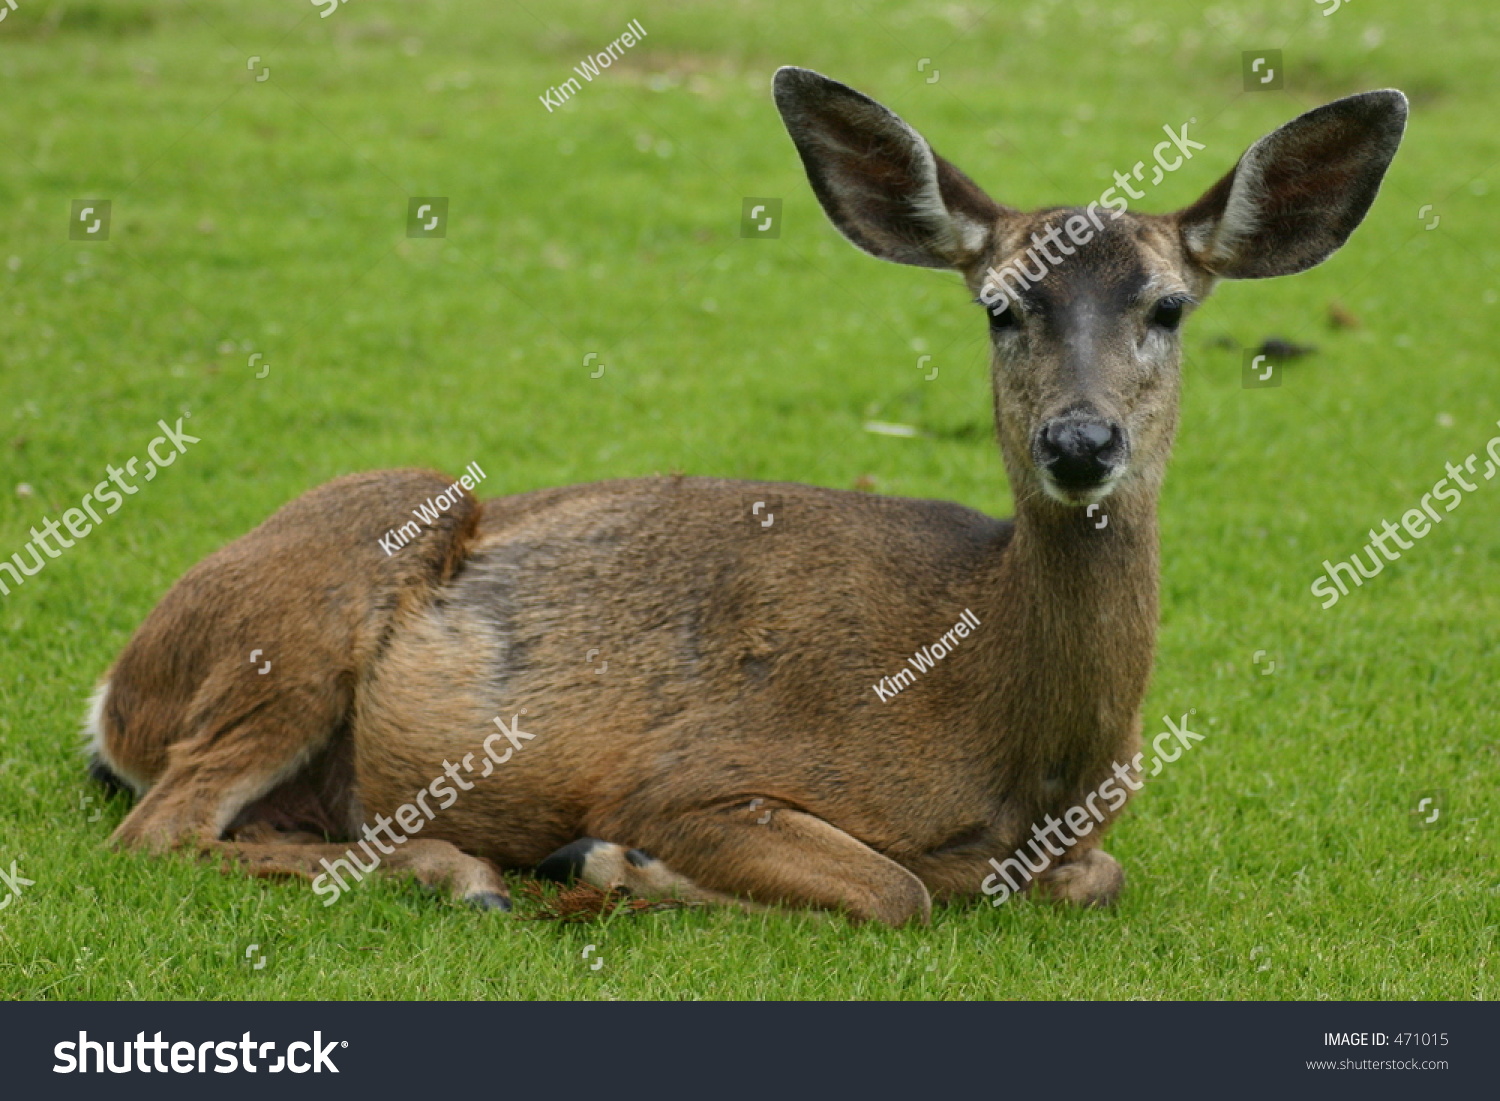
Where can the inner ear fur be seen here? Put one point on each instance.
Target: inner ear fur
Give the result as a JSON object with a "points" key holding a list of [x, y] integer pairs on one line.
{"points": [[879, 182], [1297, 193]]}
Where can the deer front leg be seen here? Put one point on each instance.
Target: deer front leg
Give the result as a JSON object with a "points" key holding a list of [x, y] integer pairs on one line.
{"points": [[1084, 875], [1094, 878], [770, 855], [610, 866], [435, 864]]}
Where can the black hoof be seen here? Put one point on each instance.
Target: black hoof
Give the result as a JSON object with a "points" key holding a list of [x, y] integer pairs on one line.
{"points": [[489, 901], [566, 864], [101, 774]]}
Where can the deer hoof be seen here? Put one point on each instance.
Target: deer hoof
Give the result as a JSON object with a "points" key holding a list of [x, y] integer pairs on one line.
{"points": [[1094, 879], [567, 863], [489, 900]]}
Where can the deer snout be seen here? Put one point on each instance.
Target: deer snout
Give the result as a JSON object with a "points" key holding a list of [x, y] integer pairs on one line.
{"points": [[1079, 453]]}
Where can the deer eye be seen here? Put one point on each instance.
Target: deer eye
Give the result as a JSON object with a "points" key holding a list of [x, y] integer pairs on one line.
{"points": [[1168, 313], [1005, 319]]}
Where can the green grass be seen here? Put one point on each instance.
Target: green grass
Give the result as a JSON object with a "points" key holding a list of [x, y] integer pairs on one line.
{"points": [[1276, 860]]}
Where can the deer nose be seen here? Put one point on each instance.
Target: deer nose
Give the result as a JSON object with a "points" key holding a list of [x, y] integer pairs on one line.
{"points": [[1079, 452]]}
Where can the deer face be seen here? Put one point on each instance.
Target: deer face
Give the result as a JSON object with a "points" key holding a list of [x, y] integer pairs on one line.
{"points": [[1086, 357], [1084, 305]]}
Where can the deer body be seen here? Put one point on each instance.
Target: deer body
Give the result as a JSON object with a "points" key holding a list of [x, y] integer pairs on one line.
{"points": [[735, 675], [696, 681]]}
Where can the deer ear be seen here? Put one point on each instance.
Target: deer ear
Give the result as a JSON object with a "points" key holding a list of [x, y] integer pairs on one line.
{"points": [[879, 181], [1298, 192]]}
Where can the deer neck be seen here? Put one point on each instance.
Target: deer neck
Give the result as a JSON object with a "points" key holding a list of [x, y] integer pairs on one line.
{"points": [[1073, 599], [1086, 574]]}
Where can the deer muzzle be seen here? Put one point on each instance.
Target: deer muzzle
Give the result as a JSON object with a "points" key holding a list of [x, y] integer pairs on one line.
{"points": [[1080, 456]]}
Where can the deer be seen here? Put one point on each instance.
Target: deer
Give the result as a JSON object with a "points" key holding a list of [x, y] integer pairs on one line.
{"points": [[721, 744]]}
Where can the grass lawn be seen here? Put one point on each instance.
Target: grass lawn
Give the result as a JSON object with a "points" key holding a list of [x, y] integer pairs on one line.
{"points": [[1279, 859]]}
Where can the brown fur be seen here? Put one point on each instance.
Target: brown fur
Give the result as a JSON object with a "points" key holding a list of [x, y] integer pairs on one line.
{"points": [[735, 735], [189, 714]]}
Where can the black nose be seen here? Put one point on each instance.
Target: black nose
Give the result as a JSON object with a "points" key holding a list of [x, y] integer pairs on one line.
{"points": [[1080, 451]]}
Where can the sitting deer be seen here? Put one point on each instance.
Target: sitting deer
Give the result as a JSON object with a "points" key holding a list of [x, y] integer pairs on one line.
{"points": [[722, 741]]}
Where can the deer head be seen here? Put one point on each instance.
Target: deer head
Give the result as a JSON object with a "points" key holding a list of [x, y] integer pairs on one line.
{"points": [[1085, 305]]}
